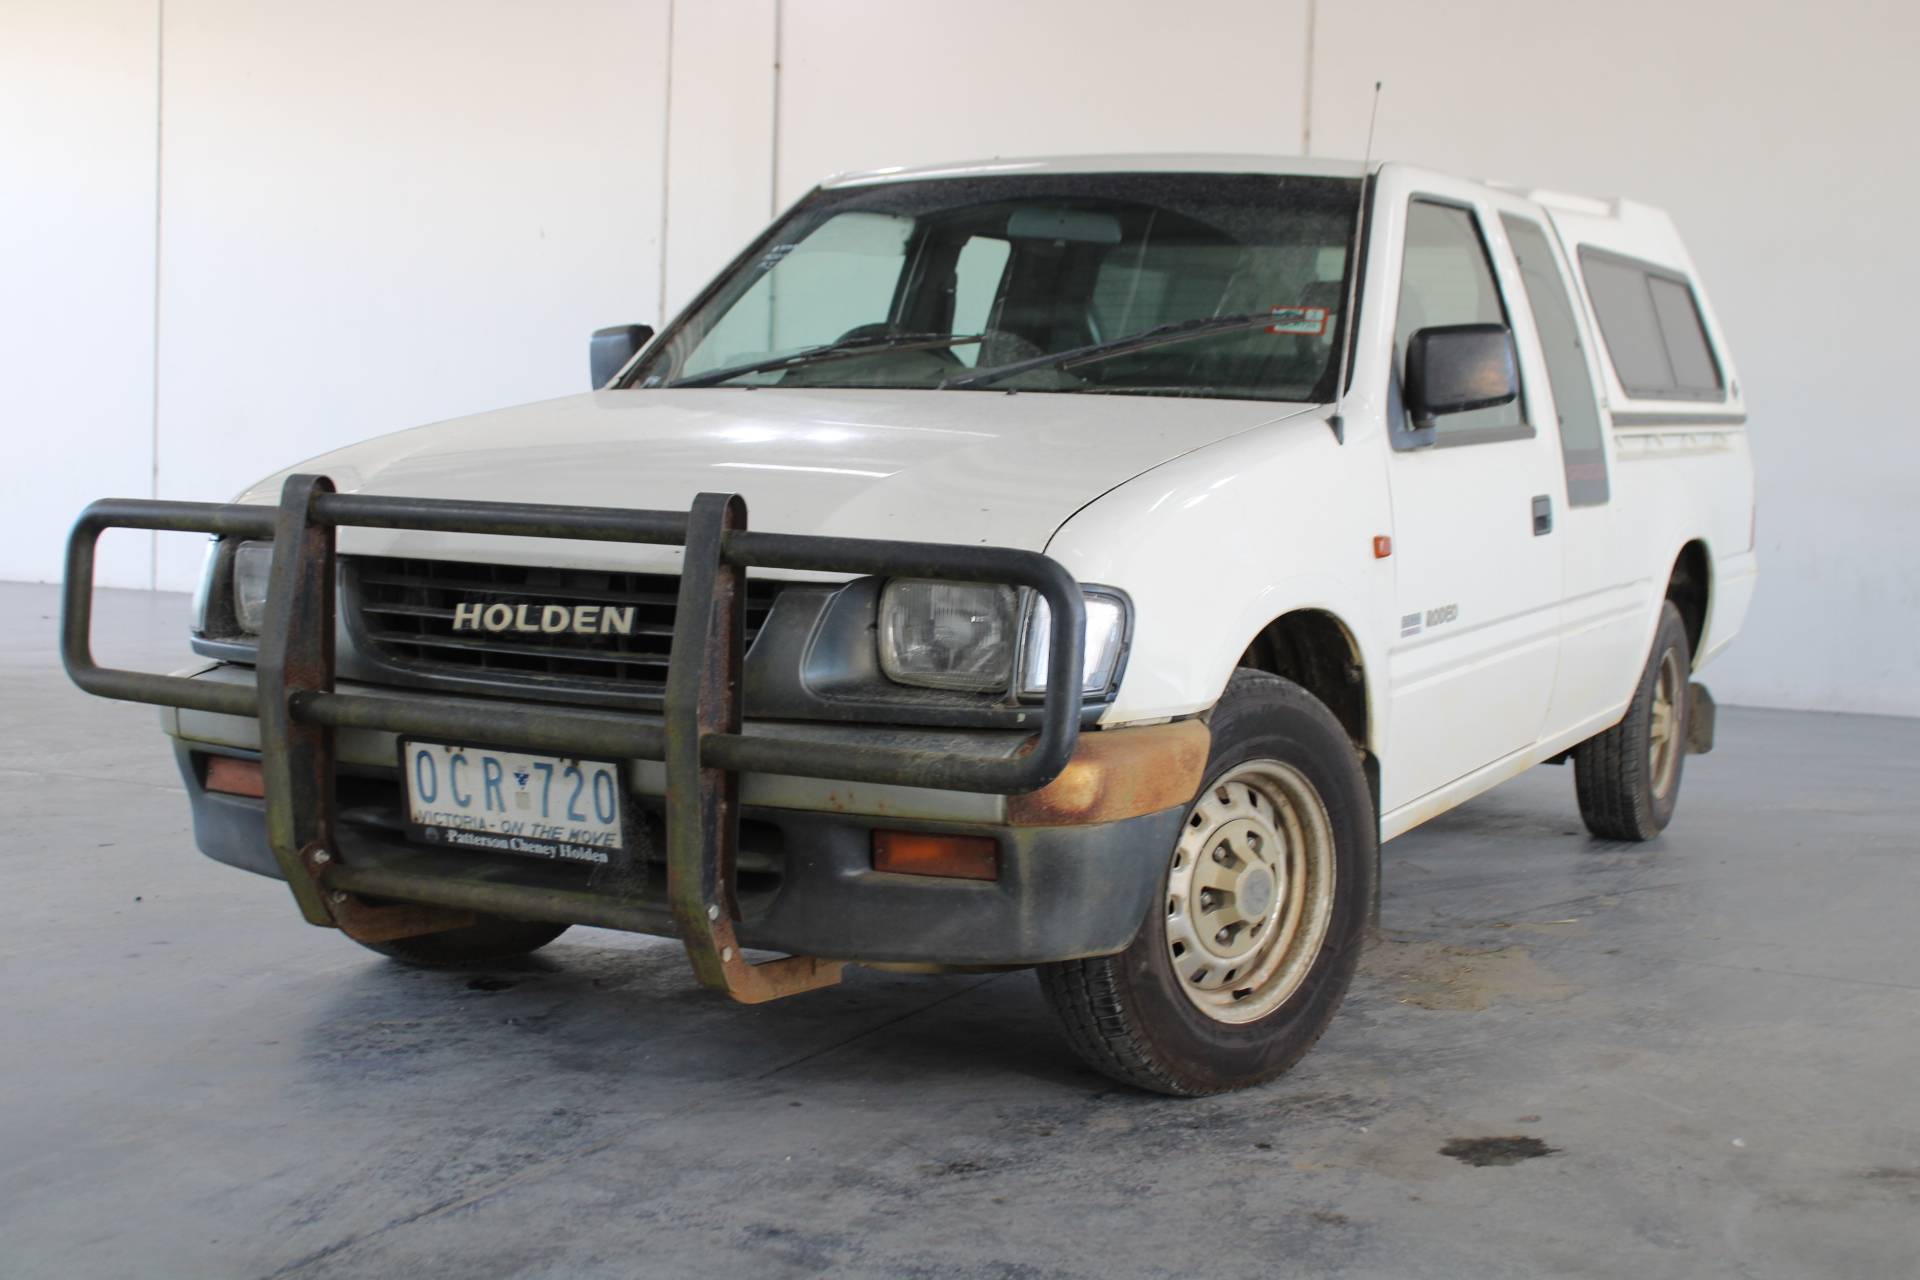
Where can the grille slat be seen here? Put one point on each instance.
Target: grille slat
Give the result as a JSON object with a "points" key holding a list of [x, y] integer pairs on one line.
{"points": [[487, 646], [423, 611], [666, 598], [404, 610]]}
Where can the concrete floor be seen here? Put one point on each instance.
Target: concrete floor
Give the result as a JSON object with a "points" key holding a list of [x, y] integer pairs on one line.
{"points": [[1715, 1032]]}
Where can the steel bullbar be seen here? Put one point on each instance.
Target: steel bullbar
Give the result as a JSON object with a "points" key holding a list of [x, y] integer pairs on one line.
{"points": [[76, 607], [296, 656], [701, 739]]}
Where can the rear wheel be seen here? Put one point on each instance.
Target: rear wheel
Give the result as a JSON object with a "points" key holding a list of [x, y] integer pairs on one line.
{"points": [[492, 939], [1628, 778], [1247, 951]]}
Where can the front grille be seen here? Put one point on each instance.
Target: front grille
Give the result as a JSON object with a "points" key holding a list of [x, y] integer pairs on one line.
{"points": [[406, 610]]}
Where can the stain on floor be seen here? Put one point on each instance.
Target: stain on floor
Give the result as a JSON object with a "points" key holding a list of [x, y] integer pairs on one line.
{"points": [[491, 984], [1481, 1152], [1445, 975]]}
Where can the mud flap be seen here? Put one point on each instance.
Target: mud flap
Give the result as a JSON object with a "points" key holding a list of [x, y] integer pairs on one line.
{"points": [[1700, 713]]}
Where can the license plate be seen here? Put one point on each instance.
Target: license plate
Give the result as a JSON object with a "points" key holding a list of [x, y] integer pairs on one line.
{"points": [[484, 798]]}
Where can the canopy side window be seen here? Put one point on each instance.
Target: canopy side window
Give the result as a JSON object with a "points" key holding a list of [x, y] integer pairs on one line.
{"points": [[1652, 326]]}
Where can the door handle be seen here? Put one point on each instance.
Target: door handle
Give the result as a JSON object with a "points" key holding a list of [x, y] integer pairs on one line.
{"points": [[1542, 515]]}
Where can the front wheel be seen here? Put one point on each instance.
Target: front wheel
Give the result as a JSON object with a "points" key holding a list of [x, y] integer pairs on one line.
{"points": [[1248, 950], [489, 940]]}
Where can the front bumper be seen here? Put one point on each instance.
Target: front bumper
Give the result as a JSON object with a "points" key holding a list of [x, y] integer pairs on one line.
{"points": [[338, 853], [806, 884]]}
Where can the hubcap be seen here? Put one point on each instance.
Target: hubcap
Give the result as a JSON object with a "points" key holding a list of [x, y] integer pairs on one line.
{"points": [[1250, 891], [1663, 729]]}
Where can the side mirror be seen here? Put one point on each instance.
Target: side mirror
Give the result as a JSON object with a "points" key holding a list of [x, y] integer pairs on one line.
{"points": [[612, 348], [1456, 367]]}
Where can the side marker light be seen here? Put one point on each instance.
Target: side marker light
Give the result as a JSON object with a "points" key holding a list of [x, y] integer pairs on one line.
{"points": [[1382, 548], [920, 853], [236, 777]]}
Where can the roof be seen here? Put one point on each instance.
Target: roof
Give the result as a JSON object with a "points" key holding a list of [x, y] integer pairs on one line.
{"points": [[1165, 162]]}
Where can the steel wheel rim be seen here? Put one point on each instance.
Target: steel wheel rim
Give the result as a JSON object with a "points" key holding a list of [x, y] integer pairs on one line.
{"points": [[1663, 729], [1250, 891]]}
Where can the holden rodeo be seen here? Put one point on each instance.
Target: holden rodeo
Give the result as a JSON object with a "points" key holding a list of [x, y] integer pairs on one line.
{"points": [[1080, 564]]}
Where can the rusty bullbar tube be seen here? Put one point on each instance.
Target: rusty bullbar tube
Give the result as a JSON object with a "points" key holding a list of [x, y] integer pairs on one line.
{"points": [[582, 729], [1060, 727], [76, 608], [528, 519]]}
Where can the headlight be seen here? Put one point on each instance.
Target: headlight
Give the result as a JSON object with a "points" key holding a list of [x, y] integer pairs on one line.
{"points": [[1107, 618], [252, 566], [209, 568], [948, 635], [962, 635]]}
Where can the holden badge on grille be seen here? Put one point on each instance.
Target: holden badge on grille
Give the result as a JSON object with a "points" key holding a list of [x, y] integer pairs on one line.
{"points": [[581, 619]]}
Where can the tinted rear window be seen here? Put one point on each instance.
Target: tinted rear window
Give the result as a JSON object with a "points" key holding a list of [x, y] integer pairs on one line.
{"points": [[1652, 327]]}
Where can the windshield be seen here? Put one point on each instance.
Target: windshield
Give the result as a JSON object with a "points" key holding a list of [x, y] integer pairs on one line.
{"points": [[1144, 284]]}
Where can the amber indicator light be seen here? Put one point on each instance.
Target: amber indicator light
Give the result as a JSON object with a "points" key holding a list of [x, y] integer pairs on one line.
{"points": [[235, 777], [920, 853], [1382, 547]]}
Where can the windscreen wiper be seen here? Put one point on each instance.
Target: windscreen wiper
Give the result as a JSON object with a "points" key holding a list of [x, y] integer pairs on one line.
{"points": [[1180, 331], [846, 350]]}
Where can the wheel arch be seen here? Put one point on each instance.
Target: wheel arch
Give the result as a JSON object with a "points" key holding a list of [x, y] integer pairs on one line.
{"points": [[1690, 587], [1317, 651]]}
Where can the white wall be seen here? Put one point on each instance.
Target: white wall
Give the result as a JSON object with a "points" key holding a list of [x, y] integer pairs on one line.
{"points": [[719, 175], [77, 169], [871, 83], [378, 215], [371, 215]]}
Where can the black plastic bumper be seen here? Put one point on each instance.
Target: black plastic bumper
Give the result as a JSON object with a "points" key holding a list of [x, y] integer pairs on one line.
{"points": [[807, 883]]}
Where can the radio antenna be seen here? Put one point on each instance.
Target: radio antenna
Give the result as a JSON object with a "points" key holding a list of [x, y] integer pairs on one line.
{"points": [[1338, 421]]}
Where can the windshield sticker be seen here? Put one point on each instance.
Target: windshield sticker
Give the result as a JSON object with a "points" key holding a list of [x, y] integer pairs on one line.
{"points": [[1310, 320], [773, 257]]}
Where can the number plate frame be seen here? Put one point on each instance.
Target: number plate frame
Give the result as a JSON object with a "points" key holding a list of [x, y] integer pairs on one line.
{"points": [[533, 843]]}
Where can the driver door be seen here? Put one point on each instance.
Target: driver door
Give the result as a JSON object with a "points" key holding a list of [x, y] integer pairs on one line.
{"points": [[1475, 499]]}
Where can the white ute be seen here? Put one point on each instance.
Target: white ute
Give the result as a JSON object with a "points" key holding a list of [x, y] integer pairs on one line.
{"points": [[1334, 579]]}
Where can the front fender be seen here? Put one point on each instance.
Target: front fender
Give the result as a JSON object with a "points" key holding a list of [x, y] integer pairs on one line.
{"points": [[1215, 544]]}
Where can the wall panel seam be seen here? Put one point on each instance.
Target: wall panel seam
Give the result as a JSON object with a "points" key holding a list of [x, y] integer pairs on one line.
{"points": [[159, 151]]}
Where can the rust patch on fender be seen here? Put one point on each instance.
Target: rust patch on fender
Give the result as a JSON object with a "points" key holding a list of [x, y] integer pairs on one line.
{"points": [[1119, 773]]}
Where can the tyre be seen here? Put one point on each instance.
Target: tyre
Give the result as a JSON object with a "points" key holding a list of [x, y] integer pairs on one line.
{"points": [[1248, 950], [1629, 777], [491, 940]]}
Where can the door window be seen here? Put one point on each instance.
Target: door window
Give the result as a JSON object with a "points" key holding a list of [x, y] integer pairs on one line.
{"points": [[1567, 370], [1447, 279]]}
